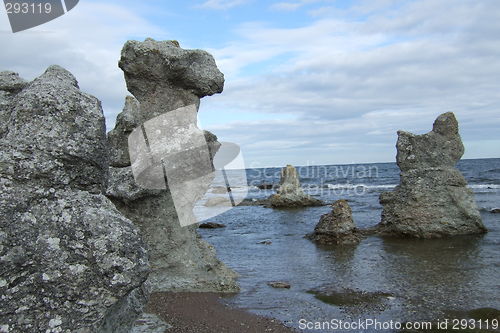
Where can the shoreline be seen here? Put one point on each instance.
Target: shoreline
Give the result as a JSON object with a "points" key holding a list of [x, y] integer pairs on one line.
{"points": [[191, 312]]}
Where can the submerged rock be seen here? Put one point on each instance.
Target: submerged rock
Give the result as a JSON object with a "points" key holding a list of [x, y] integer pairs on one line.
{"points": [[353, 299], [211, 225], [289, 193], [432, 199], [164, 77], [336, 227], [69, 261], [495, 211], [265, 186], [279, 285]]}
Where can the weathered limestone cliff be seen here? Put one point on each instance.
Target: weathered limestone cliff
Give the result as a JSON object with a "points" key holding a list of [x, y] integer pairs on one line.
{"points": [[165, 78], [336, 227], [432, 199], [289, 193], [69, 260]]}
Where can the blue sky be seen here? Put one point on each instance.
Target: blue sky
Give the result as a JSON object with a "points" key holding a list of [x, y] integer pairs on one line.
{"points": [[307, 81]]}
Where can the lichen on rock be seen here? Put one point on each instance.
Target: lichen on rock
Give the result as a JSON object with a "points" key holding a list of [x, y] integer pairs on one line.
{"points": [[69, 260], [432, 199]]}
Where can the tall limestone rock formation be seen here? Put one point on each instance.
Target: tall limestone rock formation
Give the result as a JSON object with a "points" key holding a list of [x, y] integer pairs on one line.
{"points": [[163, 78], [432, 199], [69, 261], [289, 193]]}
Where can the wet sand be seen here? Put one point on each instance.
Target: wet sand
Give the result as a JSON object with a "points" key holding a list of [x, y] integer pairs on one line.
{"points": [[204, 312]]}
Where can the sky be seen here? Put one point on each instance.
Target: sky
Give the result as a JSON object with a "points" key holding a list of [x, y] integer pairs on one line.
{"points": [[308, 82]]}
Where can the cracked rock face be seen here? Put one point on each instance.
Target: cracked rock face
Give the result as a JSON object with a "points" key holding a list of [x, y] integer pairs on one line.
{"points": [[163, 78], [289, 193], [68, 258], [336, 227], [432, 199]]}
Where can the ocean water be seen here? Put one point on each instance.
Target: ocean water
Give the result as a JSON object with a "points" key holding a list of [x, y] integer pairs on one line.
{"points": [[420, 280]]}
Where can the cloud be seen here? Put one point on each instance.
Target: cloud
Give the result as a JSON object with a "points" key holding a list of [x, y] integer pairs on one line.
{"points": [[221, 4], [358, 79], [333, 90], [86, 41], [293, 5]]}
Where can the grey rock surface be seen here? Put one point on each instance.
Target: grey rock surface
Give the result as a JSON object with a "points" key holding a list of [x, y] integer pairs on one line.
{"points": [[163, 77], [289, 193], [11, 82], [126, 122], [51, 122], [336, 227], [69, 259], [432, 199]]}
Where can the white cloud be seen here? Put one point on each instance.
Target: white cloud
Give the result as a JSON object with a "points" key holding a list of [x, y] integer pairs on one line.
{"points": [[86, 41], [293, 5], [221, 4], [360, 80]]}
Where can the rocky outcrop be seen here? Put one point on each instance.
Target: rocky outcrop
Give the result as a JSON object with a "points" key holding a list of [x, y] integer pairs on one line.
{"points": [[126, 122], [336, 227], [432, 199], [289, 193], [164, 77], [69, 261]]}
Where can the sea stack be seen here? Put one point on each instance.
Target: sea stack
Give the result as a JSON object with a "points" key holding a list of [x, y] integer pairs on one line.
{"points": [[69, 261], [164, 78], [336, 227], [432, 199], [289, 193]]}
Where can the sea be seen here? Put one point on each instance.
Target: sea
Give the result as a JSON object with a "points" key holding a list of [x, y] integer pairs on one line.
{"points": [[379, 283]]}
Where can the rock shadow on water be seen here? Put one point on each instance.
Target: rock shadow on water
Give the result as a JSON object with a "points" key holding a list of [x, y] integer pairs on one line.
{"points": [[353, 301], [446, 271]]}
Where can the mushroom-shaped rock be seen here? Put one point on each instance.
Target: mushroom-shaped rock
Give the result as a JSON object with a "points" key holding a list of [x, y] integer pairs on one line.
{"points": [[336, 227], [289, 193], [165, 77], [167, 83], [432, 199]]}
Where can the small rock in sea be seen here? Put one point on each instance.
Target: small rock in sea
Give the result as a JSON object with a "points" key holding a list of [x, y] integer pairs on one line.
{"points": [[211, 225], [279, 284], [265, 242], [495, 211], [289, 193], [265, 186]]}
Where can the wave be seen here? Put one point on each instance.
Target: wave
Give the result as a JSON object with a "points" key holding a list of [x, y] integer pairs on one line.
{"points": [[484, 186], [355, 186]]}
